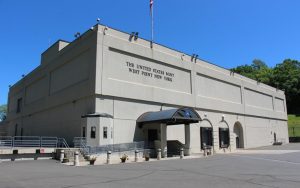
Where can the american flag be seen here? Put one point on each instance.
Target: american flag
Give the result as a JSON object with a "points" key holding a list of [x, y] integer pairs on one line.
{"points": [[151, 5]]}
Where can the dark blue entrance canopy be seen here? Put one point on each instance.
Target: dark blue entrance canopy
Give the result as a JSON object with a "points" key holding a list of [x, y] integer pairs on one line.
{"points": [[170, 117]]}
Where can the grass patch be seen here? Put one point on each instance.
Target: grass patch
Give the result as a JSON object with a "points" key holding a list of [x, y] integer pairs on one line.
{"points": [[294, 125]]}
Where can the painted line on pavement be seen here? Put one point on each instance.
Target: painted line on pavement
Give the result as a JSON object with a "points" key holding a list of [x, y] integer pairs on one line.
{"points": [[265, 159]]}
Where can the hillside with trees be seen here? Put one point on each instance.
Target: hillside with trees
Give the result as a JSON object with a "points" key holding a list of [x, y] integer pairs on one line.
{"points": [[284, 76], [3, 112]]}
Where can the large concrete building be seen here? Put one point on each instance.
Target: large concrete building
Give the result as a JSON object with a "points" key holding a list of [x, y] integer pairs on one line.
{"points": [[112, 87]]}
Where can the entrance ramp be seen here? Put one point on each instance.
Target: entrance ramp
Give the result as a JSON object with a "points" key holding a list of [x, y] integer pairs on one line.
{"points": [[174, 147]]}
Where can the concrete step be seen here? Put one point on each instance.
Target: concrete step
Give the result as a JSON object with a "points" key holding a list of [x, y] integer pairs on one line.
{"points": [[69, 154]]}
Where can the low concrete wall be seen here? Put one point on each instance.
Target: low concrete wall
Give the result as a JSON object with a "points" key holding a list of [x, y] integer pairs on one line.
{"points": [[15, 154], [294, 139]]}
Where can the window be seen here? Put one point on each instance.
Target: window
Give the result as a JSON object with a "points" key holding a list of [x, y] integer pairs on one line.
{"points": [[19, 105], [83, 131], [16, 130], [105, 132], [206, 137], [224, 137], [93, 132]]}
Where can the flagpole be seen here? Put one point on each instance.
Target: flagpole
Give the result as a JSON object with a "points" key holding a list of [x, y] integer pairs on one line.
{"points": [[152, 24]]}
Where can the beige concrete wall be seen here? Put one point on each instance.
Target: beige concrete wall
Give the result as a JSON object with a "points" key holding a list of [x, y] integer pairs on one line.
{"points": [[61, 121], [257, 131], [133, 70], [176, 132], [58, 92], [133, 75]]}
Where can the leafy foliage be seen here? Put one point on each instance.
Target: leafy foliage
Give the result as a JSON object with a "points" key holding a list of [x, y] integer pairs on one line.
{"points": [[3, 112], [258, 70], [287, 77], [284, 76]]}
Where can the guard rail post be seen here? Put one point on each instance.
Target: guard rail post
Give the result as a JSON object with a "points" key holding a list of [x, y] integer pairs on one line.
{"points": [[76, 158], [181, 153], [158, 154], [136, 152], [108, 157], [205, 152], [62, 155]]}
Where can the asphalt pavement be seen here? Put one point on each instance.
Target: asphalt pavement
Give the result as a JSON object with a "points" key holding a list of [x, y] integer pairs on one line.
{"points": [[223, 170]]}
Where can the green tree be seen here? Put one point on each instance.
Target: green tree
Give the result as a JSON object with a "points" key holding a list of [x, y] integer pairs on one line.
{"points": [[258, 71], [3, 112], [286, 76], [258, 64]]}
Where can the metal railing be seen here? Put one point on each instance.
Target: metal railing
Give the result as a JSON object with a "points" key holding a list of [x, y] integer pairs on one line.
{"points": [[32, 141], [80, 142], [6, 141], [62, 143], [294, 131], [124, 147]]}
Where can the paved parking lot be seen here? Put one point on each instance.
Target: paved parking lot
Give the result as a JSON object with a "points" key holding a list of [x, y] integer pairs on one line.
{"points": [[227, 170]]}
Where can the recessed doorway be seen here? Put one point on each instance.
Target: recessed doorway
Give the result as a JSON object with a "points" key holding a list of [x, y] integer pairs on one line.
{"points": [[239, 136]]}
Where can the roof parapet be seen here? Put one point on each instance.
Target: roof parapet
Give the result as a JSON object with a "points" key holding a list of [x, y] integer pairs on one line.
{"points": [[52, 51]]}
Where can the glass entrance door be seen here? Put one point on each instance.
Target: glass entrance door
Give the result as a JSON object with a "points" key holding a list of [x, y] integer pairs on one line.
{"points": [[206, 137]]}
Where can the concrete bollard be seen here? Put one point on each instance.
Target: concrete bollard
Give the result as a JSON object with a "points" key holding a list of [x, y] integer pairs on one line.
{"points": [[136, 158], [108, 157], [211, 152], [181, 153], [76, 158], [158, 154], [62, 155]]}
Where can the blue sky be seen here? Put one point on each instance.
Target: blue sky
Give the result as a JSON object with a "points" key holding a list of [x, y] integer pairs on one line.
{"points": [[227, 33]]}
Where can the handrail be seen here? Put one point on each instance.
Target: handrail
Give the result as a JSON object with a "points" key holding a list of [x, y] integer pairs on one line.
{"points": [[63, 142], [6, 141], [32, 141], [81, 143]]}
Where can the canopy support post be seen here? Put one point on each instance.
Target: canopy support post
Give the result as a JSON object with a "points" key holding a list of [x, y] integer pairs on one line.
{"points": [[187, 134]]}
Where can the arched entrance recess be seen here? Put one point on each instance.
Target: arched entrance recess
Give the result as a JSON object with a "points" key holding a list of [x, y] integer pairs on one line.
{"points": [[206, 134], [239, 135], [224, 135]]}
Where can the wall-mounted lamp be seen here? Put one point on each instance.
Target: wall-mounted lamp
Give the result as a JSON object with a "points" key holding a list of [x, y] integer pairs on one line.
{"points": [[104, 30], [77, 35], [223, 117], [194, 58], [134, 35], [182, 55]]}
